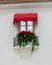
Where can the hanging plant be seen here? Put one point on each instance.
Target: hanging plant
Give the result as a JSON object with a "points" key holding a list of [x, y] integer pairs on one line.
{"points": [[25, 37]]}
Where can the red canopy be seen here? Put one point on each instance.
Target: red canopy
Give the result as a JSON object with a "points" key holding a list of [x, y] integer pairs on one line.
{"points": [[25, 17]]}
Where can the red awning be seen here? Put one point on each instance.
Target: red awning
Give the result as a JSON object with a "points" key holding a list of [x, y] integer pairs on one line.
{"points": [[25, 17]]}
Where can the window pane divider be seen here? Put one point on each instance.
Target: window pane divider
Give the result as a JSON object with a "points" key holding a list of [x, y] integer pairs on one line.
{"points": [[23, 25], [29, 25]]}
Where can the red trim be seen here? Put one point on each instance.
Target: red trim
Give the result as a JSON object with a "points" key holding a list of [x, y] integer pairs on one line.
{"points": [[25, 17]]}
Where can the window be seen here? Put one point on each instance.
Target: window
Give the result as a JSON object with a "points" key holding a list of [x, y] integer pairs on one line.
{"points": [[22, 26], [26, 26]]}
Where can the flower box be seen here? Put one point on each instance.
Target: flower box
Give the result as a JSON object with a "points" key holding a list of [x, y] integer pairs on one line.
{"points": [[26, 39]]}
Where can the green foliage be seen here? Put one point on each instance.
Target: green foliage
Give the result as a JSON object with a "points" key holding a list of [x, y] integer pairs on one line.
{"points": [[25, 38]]}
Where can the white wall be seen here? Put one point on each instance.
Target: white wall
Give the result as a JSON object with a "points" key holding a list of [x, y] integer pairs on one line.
{"points": [[9, 56]]}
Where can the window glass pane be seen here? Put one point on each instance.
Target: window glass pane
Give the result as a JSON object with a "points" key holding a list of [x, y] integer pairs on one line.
{"points": [[30, 23], [23, 23], [30, 28], [23, 28]]}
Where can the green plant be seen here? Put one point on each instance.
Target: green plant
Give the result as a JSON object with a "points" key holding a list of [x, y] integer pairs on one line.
{"points": [[25, 37]]}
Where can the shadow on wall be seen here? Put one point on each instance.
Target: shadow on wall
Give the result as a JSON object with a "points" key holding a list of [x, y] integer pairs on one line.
{"points": [[25, 52]]}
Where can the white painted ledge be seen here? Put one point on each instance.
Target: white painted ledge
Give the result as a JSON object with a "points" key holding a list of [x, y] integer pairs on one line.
{"points": [[25, 5], [26, 47]]}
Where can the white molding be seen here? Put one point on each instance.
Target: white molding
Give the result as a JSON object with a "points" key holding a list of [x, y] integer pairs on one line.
{"points": [[25, 5]]}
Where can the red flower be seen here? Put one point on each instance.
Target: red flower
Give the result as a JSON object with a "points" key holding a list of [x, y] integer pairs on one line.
{"points": [[31, 33], [22, 33], [28, 33]]}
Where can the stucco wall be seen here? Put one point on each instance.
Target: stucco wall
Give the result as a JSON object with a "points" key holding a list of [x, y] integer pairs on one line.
{"points": [[10, 56]]}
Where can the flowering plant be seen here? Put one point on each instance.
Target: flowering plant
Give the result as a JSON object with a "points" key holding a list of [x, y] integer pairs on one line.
{"points": [[25, 37]]}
